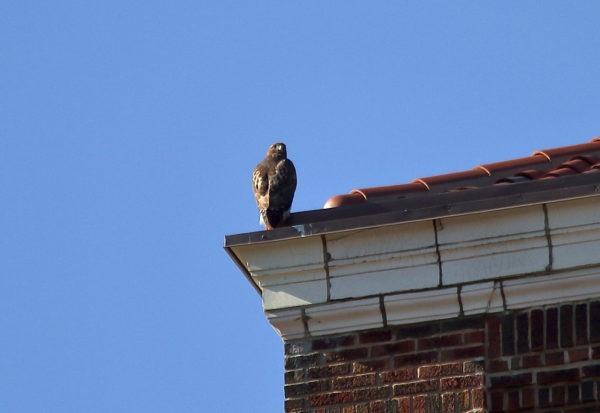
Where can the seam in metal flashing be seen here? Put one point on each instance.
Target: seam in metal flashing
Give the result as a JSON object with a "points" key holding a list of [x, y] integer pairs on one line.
{"points": [[460, 303], [382, 309], [504, 306], [548, 239], [437, 223], [305, 319], [326, 258]]}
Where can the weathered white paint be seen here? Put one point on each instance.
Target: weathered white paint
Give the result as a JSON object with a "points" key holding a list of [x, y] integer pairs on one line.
{"points": [[422, 306], [345, 316], [339, 287], [575, 232], [287, 323], [492, 245], [481, 298], [552, 289]]}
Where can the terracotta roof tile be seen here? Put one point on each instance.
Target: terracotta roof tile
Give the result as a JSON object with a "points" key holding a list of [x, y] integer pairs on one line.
{"points": [[541, 165]]}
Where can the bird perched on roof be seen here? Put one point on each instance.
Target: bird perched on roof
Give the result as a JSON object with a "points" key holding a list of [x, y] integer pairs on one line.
{"points": [[274, 184]]}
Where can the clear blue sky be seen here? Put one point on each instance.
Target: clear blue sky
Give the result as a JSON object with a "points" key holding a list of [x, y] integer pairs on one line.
{"points": [[128, 132]]}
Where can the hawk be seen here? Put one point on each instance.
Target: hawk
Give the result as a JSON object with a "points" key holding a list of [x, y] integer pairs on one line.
{"points": [[274, 184]]}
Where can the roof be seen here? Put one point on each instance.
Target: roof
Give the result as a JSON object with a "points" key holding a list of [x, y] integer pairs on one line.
{"points": [[543, 164], [544, 176]]}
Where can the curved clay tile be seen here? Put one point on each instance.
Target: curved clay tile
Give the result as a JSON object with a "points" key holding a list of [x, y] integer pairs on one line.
{"points": [[578, 165], [569, 150], [449, 178], [390, 190], [560, 172], [348, 199], [528, 161]]}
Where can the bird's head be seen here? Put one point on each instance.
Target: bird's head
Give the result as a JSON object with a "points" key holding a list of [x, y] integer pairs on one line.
{"points": [[277, 151]]}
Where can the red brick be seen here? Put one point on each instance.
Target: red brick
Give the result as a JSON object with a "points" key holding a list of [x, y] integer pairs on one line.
{"points": [[566, 325], [513, 400], [415, 359], [493, 333], [404, 405], [544, 397], [552, 328], [328, 371], [330, 343], [347, 355], [557, 376], [345, 383], [439, 342], [416, 387], [507, 325], [497, 401], [552, 359], [537, 330], [375, 336], [578, 355], [373, 393], [573, 394], [397, 376], [463, 399], [590, 371], [461, 382], [369, 365], [496, 366], [531, 361], [417, 331], [419, 404], [293, 376], [405, 346], [462, 353], [330, 398], [298, 362], [523, 333], [438, 370], [587, 391], [558, 396], [473, 366], [448, 403], [302, 389], [581, 324], [294, 405], [474, 337], [595, 321], [463, 323], [516, 380], [386, 406], [528, 398]]}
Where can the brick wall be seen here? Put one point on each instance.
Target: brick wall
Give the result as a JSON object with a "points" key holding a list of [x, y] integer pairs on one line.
{"points": [[543, 359]]}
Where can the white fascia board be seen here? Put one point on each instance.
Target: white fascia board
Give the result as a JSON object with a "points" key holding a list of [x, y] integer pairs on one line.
{"points": [[575, 232], [290, 273], [287, 323], [382, 260], [569, 286], [422, 306], [346, 316], [494, 244]]}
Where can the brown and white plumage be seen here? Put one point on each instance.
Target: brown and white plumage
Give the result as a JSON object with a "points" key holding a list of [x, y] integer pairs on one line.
{"points": [[274, 184]]}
